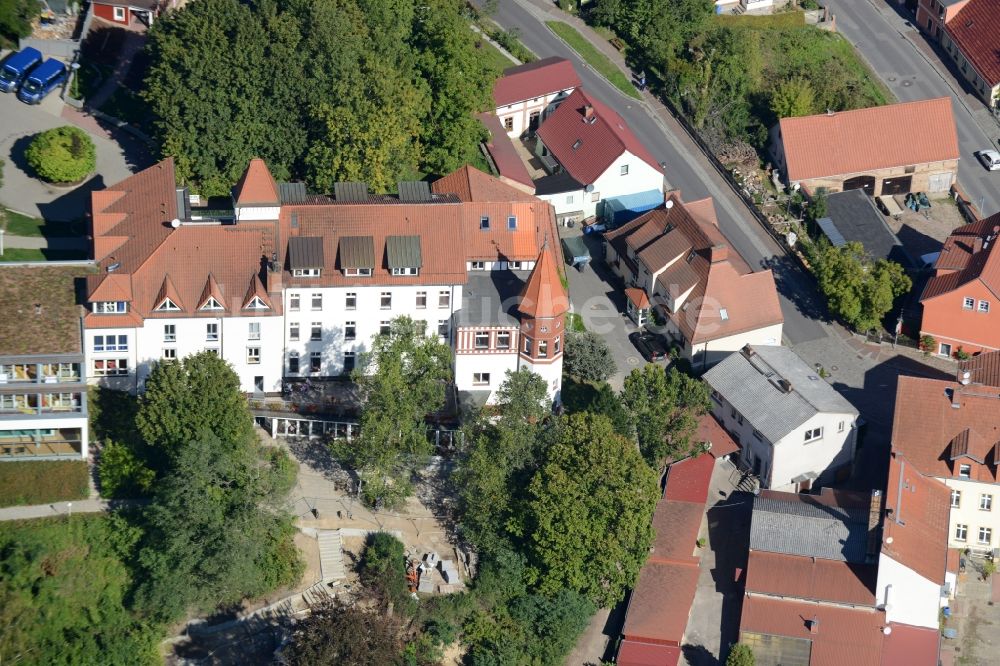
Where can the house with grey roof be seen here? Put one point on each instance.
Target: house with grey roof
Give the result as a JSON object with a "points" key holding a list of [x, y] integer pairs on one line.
{"points": [[794, 430]]}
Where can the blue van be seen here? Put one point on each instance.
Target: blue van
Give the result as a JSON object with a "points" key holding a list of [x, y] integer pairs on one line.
{"points": [[17, 67], [41, 80]]}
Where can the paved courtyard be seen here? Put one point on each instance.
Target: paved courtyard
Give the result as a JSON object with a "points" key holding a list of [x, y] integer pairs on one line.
{"points": [[975, 618]]}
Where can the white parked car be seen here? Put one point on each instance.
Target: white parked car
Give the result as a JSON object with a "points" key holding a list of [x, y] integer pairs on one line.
{"points": [[990, 159]]}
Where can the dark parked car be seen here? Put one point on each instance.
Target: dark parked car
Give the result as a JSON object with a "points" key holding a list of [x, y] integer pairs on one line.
{"points": [[650, 346]]}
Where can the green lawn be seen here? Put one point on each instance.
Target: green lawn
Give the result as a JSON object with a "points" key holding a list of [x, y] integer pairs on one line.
{"points": [[19, 254], [42, 481], [594, 58], [499, 61], [18, 224], [574, 322]]}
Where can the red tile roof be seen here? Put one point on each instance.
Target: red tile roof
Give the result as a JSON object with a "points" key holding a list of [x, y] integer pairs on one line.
{"points": [[256, 186], [637, 653], [638, 297], [533, 80], [543, 295], [503, 152], [811, 579], [848, 142], [925, 423], [974, 30], [983, 368], [846, 635], [711, 431], [601, 142], [968, 254], [472, 185], [915, 534], [910, 646], [689, 479]]}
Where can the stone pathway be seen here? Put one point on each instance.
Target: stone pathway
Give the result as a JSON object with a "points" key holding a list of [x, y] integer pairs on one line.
{"points": [[64, 508], [43, 243]]}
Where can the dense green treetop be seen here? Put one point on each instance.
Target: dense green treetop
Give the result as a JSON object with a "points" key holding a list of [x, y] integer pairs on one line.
{"points": [[588, 357]]}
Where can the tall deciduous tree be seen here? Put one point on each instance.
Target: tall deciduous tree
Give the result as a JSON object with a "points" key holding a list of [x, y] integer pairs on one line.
{"points": [[337, 635], [402, 380], [588, 357], [793, 98], [588, 516], [664, 408]]}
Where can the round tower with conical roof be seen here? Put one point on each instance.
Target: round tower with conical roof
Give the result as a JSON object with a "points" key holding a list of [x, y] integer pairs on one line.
{"points": [[542, 310]]}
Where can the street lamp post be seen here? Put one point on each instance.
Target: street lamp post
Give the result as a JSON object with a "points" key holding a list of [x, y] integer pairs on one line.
{"points": [[1, 241]]}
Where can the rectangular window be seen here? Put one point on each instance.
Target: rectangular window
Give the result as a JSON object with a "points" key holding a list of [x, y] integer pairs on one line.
{"points": [[317, 301], [293, 302], [526, 346], [557, 344], [350, 330], [484, 222], [482, 339], [739, 419], [480, 379], [443, 328], [253, 330], [253, 355], [508, 124], [351, 301], [569, 198], [421, 300], [984, 306], [595, 197], [384, 327], [405, 271], [293, 331], [986, 502], [169, 333], [814, 434], [956, 499], [968, 302], [316, 331], [624, 170], [315, 361], [119, 13], [503, 340], [211, 332], [103, 343], [515, 265], [511, 222], [169, 354], [386, 300], [944, 349], [444, 299], [478, 265], [358, 272], [110, 367], [840, 426], [965, 471], [961, 532], [985, 536], [350, 359], [543, 349], [305, 272], [293, 363]]}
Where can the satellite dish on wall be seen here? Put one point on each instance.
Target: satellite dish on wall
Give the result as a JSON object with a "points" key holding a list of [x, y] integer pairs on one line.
{"points": [[669, 204], [175, 223], [589, 188]]}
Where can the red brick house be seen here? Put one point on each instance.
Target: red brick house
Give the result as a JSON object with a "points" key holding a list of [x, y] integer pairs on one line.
{"points": [[961, 303]]}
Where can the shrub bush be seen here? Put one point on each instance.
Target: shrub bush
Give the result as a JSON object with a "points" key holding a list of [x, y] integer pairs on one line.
{"points": [[122, 473], [62, 155], [42, 481], [383, 570]]}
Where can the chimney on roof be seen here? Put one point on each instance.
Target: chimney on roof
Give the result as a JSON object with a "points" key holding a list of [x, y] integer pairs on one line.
{"points": [[588, 112], [719, 252], [274, 278], [748, 351], [813, 625], [977, 244], [785, 385]]}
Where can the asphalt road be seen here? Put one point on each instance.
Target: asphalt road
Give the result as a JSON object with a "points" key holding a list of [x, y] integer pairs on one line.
{"points": [[877, 31], [687, 170]]}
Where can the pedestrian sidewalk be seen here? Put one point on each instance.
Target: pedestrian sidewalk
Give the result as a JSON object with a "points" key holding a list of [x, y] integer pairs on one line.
{"points": [[66, 508]]}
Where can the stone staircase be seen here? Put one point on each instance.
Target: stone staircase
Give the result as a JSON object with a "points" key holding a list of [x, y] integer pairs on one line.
{"points": [[331, 555]]}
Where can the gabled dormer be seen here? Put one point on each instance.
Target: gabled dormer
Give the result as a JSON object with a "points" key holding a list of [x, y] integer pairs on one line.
{"points": [[256, 298], [256, 196], [112, 293], [211, 296], [168, 300]]}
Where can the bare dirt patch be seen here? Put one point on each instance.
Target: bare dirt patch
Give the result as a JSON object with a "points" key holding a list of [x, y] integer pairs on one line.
{"points": [[924, 232]]}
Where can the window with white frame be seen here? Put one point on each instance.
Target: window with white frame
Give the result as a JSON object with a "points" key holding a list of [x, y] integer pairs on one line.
{"points": [[480, 379], [305, 272], [350, 360], [515, 265], [965, 471], [444, 299], [351, 301], [624, 170], [293, 331], [944, 349], [253, 355], [211, 304], [840, 426], [253, 330], [384, 327], [961, 532], [109, 343], [167, 306], [985, 535], [316, 331], [503, 340], [526, 345], [317, 301], [110, 367], [511, 222], [385, 300], [169, 333], [110, 307], [119, 13], [813, 434], [478, 265], [293, 302], [482, 339], [421, 300], [169, 354], [569, 198], [956, 499], [984, 306], [543, 349], [211, 332], [406, 271], [557, 344], [315, 361], [986, 502], [350, 330], [358, 272], [968, 302], [595, 197], [293, 363]]}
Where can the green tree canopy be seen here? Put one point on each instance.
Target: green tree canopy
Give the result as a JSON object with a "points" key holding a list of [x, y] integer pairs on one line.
{"points": [[740, 655], [588, 517], [588, 357], [793, 98], [337, 635], [62, 155], [402, 379], [373, 90], [664, 408], [861, 291], [16, 17]]}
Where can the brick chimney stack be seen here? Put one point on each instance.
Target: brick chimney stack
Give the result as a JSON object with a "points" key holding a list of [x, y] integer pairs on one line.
{"points": [[719, 252]]}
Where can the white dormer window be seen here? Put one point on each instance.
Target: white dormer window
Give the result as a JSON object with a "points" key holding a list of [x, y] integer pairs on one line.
{"points": [[110, 307], [167, 306], [478, 265], [306, 272], [211, 304], [724, 314], [358, 272], [257, 304], [405, 271]]}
